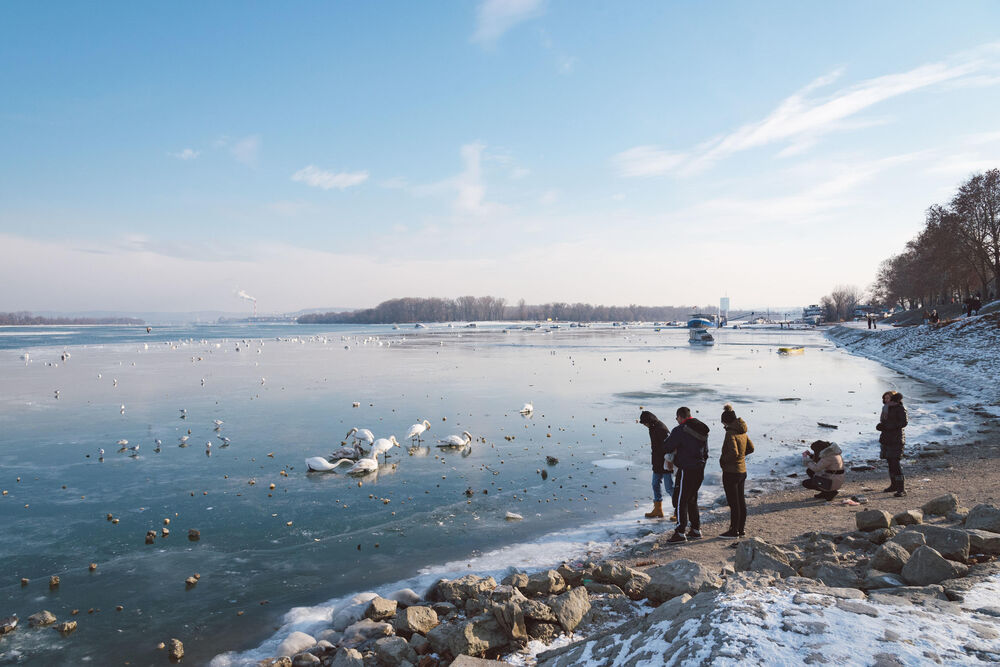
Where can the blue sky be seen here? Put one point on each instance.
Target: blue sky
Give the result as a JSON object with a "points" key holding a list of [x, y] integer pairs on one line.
{"points": [[338, 154]]}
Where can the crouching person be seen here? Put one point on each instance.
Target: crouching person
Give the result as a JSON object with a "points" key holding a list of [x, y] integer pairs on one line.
{"points": [[663, 477], [825, 467]]}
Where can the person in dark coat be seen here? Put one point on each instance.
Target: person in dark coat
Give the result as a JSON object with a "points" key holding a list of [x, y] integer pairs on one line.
{"points": [[892, 439], [663, 475], [735, 446], [688, 442]]}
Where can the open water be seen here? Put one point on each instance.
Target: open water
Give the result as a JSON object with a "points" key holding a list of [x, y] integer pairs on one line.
{"points": [[287, 392]]}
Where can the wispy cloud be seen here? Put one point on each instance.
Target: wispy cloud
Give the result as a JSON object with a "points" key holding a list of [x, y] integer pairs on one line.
{"points": [[805, 116], [246, 150], [471, 198], [328, 180], [495, 17], [186, 154]]}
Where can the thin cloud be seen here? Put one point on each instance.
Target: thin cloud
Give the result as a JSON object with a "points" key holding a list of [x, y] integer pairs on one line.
{"points": [[186, 154], [327, 180], [467, 186], [496, 17], [246, 150], [805, 116]]}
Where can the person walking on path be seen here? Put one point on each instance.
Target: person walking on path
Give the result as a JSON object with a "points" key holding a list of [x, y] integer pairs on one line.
{"points": [[688, 442], [735, 446], [663, 476], [892, 439], [825, 467]]}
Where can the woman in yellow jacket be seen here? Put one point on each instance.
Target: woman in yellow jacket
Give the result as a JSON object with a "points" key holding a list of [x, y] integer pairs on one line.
{"points": [[735, 447]]}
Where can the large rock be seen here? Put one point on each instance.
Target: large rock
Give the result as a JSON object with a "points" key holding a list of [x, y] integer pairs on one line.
{"points": [[347, 657], [984, 542], [756, 555], [951, 543], [175, 649], [507, 593], [352, 611], [392, 651], [890, 557], [516, 579], [927, 566], [548, 582], [305, 660], [908, 518], [677, 578], [836, 576], [571, 575], [481, 634], [543, 631], [295, 643], [457, 591], [875, 579], [536, 611], [41, 619], [570, 607], [631, 581], [414, 619], [364, 631], [406, 597], [511, 618], [984, 517], [872, 519], [910, 540], [380, 609], [941, 505]]}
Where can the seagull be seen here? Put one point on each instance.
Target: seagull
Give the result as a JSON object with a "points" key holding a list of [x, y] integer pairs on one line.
{"points": [[382, 446], [135, 450], [123, 442], [100, 453], [224, 439], [123, 408], [361, 435], [184, 413], [456, 441], [218, 424], [417, 430], [527, 409], [158, 442]]}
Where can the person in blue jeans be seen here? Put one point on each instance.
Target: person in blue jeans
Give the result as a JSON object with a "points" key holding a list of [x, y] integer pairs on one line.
{"points": [[663, 476]]}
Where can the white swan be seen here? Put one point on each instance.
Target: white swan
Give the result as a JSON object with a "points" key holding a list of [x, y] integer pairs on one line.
{"points": [[319, 464], [361, 435], [527, 409], [382, 446], [455, 441], [352, 452], [362, 466], [417, 430]]}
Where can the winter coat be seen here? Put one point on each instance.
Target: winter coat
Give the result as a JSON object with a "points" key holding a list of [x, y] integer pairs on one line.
{"points": [[830, 465], [658, 433], [689, 444], [735, 446], [892, 437]]}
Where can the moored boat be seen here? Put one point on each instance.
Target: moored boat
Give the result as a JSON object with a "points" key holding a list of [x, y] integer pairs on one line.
{"points": [[796, 349]]}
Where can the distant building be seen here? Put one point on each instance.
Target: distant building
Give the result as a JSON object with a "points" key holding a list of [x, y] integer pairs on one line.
{"points": [[724, 306], [813, 313]]}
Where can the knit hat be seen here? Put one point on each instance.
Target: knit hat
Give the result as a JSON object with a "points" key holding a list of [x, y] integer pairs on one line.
{"points": [[646, 418], [728, 415]]}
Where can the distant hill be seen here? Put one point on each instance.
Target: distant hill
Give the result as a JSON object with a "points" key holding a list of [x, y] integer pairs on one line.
{"points": [[28, 319]]}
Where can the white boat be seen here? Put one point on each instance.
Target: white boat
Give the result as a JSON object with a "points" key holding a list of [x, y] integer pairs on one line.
{"points": [[700, 337]]}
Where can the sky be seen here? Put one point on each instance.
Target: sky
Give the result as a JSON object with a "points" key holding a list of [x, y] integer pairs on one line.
{"points": [[169, 156]]}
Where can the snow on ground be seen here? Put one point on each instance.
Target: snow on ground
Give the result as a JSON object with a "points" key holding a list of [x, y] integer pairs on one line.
{"points": [[962, 357], [774, 626]]}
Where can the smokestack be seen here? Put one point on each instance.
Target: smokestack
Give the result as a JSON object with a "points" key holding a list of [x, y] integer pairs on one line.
{"points": [[246, 297]]}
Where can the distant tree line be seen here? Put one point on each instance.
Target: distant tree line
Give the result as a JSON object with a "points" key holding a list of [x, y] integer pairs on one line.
{"points": [[488, 308], [839, 305], [955, 255], [24, 318]]}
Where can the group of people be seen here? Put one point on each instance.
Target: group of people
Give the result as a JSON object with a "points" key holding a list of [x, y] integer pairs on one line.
{"points": [[973, 304], [679, 456]]}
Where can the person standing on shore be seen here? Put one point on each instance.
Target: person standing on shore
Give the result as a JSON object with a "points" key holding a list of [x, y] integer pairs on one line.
{"points": [[688, 442], [892, 438], [735, 446], [663, 476]]}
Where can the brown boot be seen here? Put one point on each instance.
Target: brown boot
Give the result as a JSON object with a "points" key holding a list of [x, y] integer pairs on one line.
{"points": [[657, 512]]}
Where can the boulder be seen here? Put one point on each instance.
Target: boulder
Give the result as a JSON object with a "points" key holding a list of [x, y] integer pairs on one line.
{"points": [[537, 611], [570, 607], [983, 517], [365, 630], [835, 576], [8, 624], [548, 582], [347, 657], [444, 609], [915, 594], [352, 611], [756, 555], [677, 578], [515, 579], [910, 540], [41, 619], [875, 579], [631, 581], [481, 634], [420, 644], [283, 661], [572, 576], [927, 566], [415, 619], [175, 649], [882, 535], [295, 643], [908, 518], [393, 651], [544, 632], [941, 505], [511, 618], [65, 627], [380, 609], [872, 519], [507, 593], [951, 543], [983, 542], [603, 589], [406, 597], [305, 660], [457, 591], [890, 557]]}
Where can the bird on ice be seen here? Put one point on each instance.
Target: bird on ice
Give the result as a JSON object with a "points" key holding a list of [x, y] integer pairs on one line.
{"points": [[456, 441], [417, 430], [382, 446], [527, 409], [361, 435]]}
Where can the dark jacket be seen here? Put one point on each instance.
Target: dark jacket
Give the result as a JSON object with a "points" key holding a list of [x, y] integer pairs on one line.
{"points": [[892, 437], [689, 444], [658, 433], [735, 446]]}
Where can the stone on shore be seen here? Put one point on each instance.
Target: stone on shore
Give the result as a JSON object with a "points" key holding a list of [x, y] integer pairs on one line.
{"points": [[570, 607], [347, 657], [890, 557], [415, 619], [756, 555], [927, 566], [908, 518], [380, 609], [511, 618], [871, 519], [679, 577], [548, 582], [537, 611], [353, 611], [469, 661], [41, 619], [65, 627], [603, 589], [571, 576], [543, 632], [983, 542], [406, 597], [365, 630], [175, 649], [951, 543], [875, 579], [631, 581], [457, 591], [305, 660], [480, 634], [393, 651], [836, 576], [941, 505], [516, 579], [910, 540], [295, 643], [984, 517]]}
